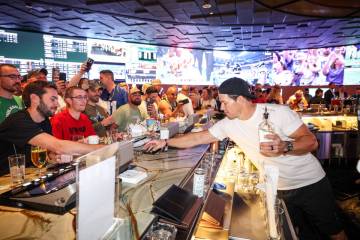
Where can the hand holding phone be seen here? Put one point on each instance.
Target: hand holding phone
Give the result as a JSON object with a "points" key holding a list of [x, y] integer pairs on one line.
{"points": [[184, 101], [55, 74], [62, 76], [89, 63]]}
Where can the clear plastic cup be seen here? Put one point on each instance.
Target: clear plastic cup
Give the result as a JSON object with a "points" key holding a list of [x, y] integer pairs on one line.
{"points": [[17, 168]]}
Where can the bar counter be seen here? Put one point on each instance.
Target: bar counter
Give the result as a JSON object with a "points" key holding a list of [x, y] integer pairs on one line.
{"points": [[164, 169], [17, 223], [245, 213]]}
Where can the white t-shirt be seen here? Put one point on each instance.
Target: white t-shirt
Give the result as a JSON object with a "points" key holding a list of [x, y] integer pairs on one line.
{"points": [[207, 103], [295, 171], [187, 108]]}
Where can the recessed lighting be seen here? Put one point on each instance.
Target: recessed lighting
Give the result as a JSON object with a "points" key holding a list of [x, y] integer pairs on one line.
{"points": [[211, 13], [206, 4]]}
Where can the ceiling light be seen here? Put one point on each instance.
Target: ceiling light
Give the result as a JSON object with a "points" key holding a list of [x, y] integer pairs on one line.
{"points": [[206, 4]]}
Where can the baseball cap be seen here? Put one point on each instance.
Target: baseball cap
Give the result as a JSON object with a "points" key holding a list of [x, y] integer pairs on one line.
{"points": [[134, 89], [156, 82], [122, 84], [93, 85], [236, 86]]}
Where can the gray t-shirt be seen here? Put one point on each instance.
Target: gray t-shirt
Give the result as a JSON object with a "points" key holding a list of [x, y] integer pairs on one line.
{"points": [[125, 115]]}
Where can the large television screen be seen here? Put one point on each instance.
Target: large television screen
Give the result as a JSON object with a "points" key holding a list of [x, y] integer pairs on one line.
{"points": [[311, 67], [140, 63], [107, 51], [306, 67], [254, 67], [184, 66]]}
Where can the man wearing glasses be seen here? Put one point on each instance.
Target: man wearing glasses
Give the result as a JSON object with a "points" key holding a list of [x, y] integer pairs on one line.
{"points": [[10, 82], [31, 126], [71, 123]]}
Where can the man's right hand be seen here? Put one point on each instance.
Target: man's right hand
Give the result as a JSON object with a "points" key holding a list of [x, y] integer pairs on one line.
{"points": [[83, 68], [60, 86], [154, 145]]}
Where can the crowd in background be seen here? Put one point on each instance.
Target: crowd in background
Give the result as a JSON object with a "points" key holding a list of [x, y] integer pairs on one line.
{"points": [[87, 107], [61, 111]]}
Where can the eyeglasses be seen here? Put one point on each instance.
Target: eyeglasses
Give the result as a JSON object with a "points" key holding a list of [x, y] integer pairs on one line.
{"points": [[13, 76], [80, 97]]}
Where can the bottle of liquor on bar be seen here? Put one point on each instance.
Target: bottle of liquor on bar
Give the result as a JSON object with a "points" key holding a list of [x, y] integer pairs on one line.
{"points": [[265, 128], [199, 182], [164, 135]]}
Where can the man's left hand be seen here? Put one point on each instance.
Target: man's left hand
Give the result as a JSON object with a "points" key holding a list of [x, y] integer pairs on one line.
{"points": [[59, 158], [273, 148]]}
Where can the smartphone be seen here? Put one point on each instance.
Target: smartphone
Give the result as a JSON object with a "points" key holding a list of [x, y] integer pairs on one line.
{"points": [[89, 63], [184, 101], [62, 76], [150, 101], [55, 74]]}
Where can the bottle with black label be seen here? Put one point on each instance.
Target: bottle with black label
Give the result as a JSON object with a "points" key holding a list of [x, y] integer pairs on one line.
{"points": [[265, 128]]}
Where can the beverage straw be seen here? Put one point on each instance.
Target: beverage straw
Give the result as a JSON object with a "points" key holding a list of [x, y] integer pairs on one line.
{"points": [[14, 149]]}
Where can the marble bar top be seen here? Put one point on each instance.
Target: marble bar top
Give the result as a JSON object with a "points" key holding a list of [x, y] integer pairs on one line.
{"points": [[135, 204], [163, 170], [17, 223]]}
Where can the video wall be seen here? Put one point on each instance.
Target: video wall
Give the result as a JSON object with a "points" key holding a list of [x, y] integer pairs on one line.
{"points": [[138, 63]]}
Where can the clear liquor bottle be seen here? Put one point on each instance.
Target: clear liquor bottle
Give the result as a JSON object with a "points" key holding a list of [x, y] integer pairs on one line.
{"points": [[265, 128]]}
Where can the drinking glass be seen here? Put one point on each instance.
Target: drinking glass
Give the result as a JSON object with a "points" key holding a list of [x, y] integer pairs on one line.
{"points": [[39, 157], [17, 168], [162, 231]]}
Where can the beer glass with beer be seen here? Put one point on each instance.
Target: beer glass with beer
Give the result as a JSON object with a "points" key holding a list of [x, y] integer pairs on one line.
{"points": [[38, 157]]}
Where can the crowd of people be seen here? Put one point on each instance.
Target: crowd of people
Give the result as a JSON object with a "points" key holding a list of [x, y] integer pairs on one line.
{"points": [[62, 111], [87, 107]]}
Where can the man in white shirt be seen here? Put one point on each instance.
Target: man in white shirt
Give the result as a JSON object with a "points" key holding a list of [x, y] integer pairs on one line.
{"points": [[182, 96], [302, 182]]}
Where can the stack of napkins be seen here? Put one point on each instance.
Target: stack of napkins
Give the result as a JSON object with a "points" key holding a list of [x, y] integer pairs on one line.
{"points": [[132, 176], [214, 212]]}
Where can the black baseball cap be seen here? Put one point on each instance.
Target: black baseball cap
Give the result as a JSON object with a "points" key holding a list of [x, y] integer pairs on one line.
{"points": [[236, 86]]}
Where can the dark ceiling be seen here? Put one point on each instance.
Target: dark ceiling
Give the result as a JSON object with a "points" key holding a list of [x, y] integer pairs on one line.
{"points": [[227, 25]]}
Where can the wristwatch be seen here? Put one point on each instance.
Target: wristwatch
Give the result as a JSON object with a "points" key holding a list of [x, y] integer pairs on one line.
{"points": [[289, 146]]}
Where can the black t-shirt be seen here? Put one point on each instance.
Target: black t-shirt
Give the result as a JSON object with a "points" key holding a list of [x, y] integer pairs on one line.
{"points": [[15, 133]]}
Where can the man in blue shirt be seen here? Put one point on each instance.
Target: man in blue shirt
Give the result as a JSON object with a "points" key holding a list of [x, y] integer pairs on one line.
{"points": [[112, 92]]}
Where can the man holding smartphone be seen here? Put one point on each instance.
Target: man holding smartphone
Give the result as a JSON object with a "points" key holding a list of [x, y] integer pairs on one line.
{"points": [[183, 97], [149, 103]]}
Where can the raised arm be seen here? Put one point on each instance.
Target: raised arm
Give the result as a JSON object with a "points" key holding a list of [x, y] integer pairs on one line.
{"points": [[165, 109], [74, 81], [58, 146], [185, 141]]}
